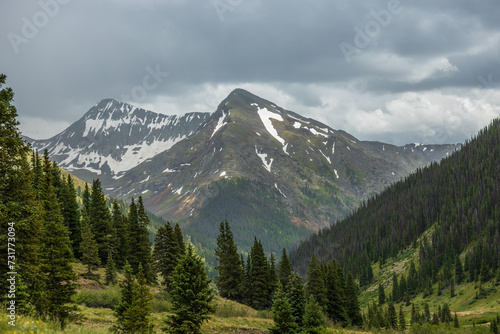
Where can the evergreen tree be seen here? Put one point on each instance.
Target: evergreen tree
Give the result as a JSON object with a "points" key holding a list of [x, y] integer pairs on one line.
{"points": [[296, 297], [37, 174], [392, 321], [58, 184], [452, 289], [166, 253], [435, 319], [315, 283], [335, 305], [381, 294], [314, 319], [180, 239], [143, 244], [455, 321], [352, 304], [86, 200], [260, 298], [134, 232], [395, 288], [100, 220], [71, 215], [191, 295], [272, 276], [247, 286], [402, 322], [285, 269], [284, 321], [446, 314], [110, 270], [427, 313], [230, 277], [136, 318], [56, 254], [88, 246], [128, 296], [120, 238], [20, 212], [414, 319]]}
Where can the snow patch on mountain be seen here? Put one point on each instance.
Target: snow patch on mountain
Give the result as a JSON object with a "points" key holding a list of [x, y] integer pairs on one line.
{"points": [[316, 133], [132, 156], [220, 123], [327, 158], [285, 148], [276, 185], [266, 116], [263, 157]]}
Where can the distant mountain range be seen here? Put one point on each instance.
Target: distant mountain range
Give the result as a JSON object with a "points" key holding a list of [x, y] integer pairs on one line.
{"points": [[271, 172]]}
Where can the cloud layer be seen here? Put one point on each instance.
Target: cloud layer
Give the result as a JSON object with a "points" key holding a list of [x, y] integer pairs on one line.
{"points": [[397, 71]]}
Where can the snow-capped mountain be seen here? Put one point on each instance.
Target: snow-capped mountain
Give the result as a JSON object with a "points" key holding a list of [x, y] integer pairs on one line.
{"points": [[272, 173], [113, 137]]}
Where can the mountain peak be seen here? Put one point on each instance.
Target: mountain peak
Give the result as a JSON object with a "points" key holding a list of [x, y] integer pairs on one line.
{"points": [[242, 99]]}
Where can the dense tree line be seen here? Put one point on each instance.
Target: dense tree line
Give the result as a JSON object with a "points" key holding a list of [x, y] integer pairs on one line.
{"points": [[327, 293], [458, 197]]}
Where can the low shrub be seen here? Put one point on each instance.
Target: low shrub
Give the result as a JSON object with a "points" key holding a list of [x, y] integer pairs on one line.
{"points": [[109, 297]]}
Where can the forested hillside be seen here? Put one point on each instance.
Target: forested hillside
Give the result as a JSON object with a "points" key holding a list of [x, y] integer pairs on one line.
{"points": [[455, 203]]}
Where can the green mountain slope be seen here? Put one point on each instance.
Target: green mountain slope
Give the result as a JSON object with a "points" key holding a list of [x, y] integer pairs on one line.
{"points": [[438, 230]]}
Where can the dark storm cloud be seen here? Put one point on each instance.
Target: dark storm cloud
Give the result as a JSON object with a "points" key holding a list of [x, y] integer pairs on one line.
{"points": [[89, 50]]}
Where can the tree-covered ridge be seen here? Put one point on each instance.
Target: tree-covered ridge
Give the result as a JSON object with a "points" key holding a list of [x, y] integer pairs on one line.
{"points": [[458, 198]]}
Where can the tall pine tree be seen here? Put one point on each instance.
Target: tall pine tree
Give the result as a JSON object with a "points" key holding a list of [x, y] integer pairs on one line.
{"points": [[352, 303], [285, 268], [88, 246], [335, 305], [120, 246], [191, 295], [260, 298], [231, 276], [284, 321], [71, 215], [143, 246], [166, 253], [56, 254], [314, 318], [100, 219], [296, 297], [315, 285]]}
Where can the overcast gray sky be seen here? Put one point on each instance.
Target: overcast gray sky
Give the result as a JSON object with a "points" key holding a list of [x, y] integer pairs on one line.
{"points": [[395, 71]]}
